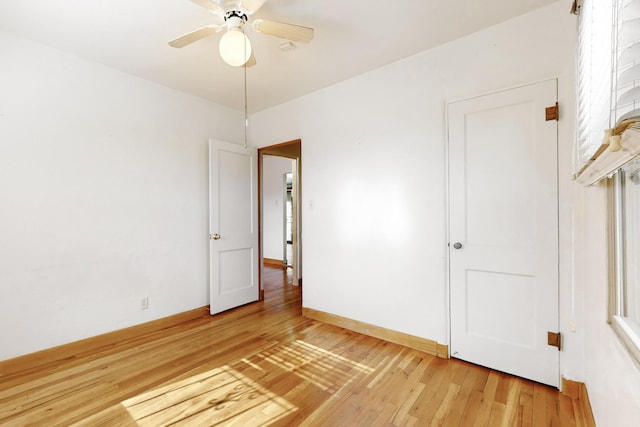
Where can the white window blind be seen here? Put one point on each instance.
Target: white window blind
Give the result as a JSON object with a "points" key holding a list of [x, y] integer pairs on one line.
{"points": [[608, 88], [594, 78], [626, 90]]}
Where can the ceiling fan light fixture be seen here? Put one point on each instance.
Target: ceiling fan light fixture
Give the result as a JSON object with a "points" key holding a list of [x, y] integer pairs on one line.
{"points": [[235, 47]]}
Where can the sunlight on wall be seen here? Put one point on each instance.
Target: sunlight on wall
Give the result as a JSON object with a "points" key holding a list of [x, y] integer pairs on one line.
{"points": [[373, 208]]}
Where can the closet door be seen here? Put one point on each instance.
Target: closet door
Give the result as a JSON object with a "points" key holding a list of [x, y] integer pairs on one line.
{"points": [[503, 249]]}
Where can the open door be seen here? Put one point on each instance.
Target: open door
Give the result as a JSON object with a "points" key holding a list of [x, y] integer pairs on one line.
{"points": [[233, 225]]}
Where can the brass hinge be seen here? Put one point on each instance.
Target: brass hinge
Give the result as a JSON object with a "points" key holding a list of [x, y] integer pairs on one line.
{"points": [[554, 339], [576, 6], [551, 113]]}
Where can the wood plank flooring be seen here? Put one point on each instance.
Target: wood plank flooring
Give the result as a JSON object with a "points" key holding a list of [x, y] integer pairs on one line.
{"points": [[264, 364]]}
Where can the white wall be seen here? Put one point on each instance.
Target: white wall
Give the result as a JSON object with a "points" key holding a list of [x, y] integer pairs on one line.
{"points": [[273, 169], [611, 375], [374, 202], [103, 197]]}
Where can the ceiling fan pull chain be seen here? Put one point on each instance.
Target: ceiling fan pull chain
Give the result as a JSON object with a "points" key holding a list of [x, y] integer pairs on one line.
{"points": [[246, 114]]}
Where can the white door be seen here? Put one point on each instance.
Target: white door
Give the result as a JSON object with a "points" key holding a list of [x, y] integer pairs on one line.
{"points": [[233, 225], [503, 231]]}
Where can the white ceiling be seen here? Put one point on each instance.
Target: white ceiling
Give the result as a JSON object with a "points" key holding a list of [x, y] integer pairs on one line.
{"points": [[351, 37]]}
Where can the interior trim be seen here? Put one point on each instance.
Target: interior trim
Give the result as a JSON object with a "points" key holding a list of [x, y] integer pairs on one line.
{"points": [[571, 388], [578, 392], [272, 262], [411, 341], [96, 343]]}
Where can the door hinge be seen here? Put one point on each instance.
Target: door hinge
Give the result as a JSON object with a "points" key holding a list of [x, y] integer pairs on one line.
{"points": [[576, 7], [551, 113], [554, 339]]}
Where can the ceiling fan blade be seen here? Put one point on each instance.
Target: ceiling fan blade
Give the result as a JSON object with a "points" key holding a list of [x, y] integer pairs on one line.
{"points": [[252, 61], [209, 5], [295, 33], [252, 6], [194, 36]]}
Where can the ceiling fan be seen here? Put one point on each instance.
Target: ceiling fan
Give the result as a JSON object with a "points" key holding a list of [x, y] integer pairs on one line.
{"points": [[235, 47]]}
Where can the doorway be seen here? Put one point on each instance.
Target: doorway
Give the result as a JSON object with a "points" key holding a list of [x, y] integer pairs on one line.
{"points": [[287, 207], [288, 225]]}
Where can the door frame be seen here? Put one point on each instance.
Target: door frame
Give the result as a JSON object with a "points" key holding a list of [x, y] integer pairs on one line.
{"points": [[293, 150], [285, 199], [448, 198]]}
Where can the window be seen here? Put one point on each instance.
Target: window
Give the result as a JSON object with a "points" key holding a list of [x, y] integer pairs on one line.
{"points": [[625, 268], [608, 142]]}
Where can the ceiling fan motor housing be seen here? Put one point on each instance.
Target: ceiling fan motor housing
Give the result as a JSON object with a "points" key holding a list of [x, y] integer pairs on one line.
{"points": [[235, 18]]}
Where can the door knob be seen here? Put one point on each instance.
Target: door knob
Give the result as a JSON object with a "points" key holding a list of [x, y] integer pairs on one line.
{"points": [[214, 236], [457, 245]]}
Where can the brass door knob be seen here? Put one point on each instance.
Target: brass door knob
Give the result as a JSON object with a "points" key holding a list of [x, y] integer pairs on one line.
{"points": [[214, 236]]}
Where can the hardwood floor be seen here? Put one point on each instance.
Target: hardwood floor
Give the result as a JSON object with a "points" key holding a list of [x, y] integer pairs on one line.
{"points": [[264, 364]]}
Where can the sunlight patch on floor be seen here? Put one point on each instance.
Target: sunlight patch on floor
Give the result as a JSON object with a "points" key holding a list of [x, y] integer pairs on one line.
{"points": [[326, 370], [238, 393], [222, 396]]}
